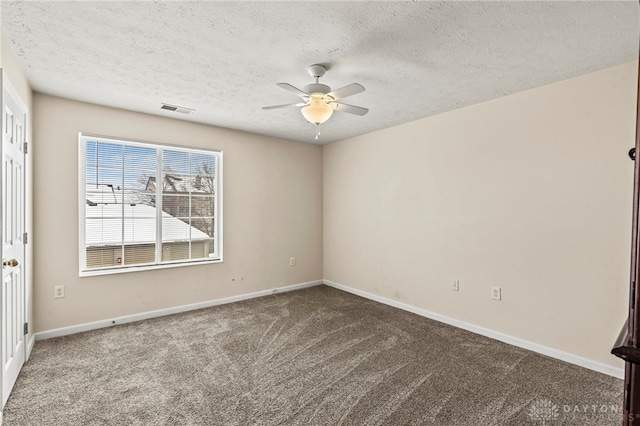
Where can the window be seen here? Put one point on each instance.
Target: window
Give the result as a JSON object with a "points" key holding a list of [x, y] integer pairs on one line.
{"points": [[147, 206]]}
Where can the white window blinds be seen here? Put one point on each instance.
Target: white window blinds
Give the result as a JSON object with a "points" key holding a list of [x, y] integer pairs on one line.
{"points": [[146, 205]]}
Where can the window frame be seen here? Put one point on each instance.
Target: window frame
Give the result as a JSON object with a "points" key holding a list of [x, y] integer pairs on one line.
{"points": [[83, 138]]}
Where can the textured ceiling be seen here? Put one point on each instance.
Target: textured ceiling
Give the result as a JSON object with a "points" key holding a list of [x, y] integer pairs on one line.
{"points": [[223, 58]]}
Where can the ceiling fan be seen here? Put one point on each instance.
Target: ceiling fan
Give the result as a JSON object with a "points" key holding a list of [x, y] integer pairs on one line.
{"points": [[319, 100]]}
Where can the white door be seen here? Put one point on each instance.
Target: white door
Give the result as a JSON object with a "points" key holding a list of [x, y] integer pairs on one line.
{"points": [[13, 304]]}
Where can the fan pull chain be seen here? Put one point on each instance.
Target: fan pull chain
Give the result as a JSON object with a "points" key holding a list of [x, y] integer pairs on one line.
{"points": [[317, 130]]}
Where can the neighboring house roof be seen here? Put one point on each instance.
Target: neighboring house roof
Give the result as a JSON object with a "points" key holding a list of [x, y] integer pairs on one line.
{"points": [[139, 226], [107, 194], [103, 217]]}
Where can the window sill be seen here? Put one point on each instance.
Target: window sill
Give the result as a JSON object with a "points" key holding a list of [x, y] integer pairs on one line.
{"points": [[96, 272]]}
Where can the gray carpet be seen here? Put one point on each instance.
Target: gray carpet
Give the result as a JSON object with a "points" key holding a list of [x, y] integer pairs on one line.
{"points": [[316, 356]]}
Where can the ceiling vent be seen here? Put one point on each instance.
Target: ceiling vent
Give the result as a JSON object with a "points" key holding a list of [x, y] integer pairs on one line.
{"points": [[175, 108]]}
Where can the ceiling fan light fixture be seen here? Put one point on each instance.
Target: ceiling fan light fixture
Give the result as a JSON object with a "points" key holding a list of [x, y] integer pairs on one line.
{"points": [[320, 100], [317, 111]]}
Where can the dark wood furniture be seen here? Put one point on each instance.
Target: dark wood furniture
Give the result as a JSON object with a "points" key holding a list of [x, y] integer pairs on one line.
{"points": [[627, 346]]}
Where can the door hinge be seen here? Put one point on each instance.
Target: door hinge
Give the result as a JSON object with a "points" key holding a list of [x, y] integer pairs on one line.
{"points": [[25, 238], [26, 328], [26, 147], [633, 294]]}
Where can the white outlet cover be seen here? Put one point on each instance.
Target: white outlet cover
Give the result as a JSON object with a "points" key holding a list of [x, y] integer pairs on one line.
{"points": [[496, 293], [58, 292]]}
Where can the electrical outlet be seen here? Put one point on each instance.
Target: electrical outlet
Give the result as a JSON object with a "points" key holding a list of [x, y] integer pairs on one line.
{"points": [[292, 261], [496, 293], [455, 285], [58, 291]]}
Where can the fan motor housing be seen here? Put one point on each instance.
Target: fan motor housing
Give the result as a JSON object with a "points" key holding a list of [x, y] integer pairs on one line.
{"points": [[317, 88], [316, 70]]}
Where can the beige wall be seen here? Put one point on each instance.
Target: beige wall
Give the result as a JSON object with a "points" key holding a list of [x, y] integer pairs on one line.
{"points": [[530, 192], [12, 71], [272, 211]]}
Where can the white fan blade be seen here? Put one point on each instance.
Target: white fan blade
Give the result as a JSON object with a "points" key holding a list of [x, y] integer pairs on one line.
{"points": [[284, 106], [343, 92], [350, 109], [292, 89]]}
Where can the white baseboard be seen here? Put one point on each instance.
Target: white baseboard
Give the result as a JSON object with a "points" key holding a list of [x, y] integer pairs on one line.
{"points": [[515, 341], [525, 344], [64, 331], [30, 344]]}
